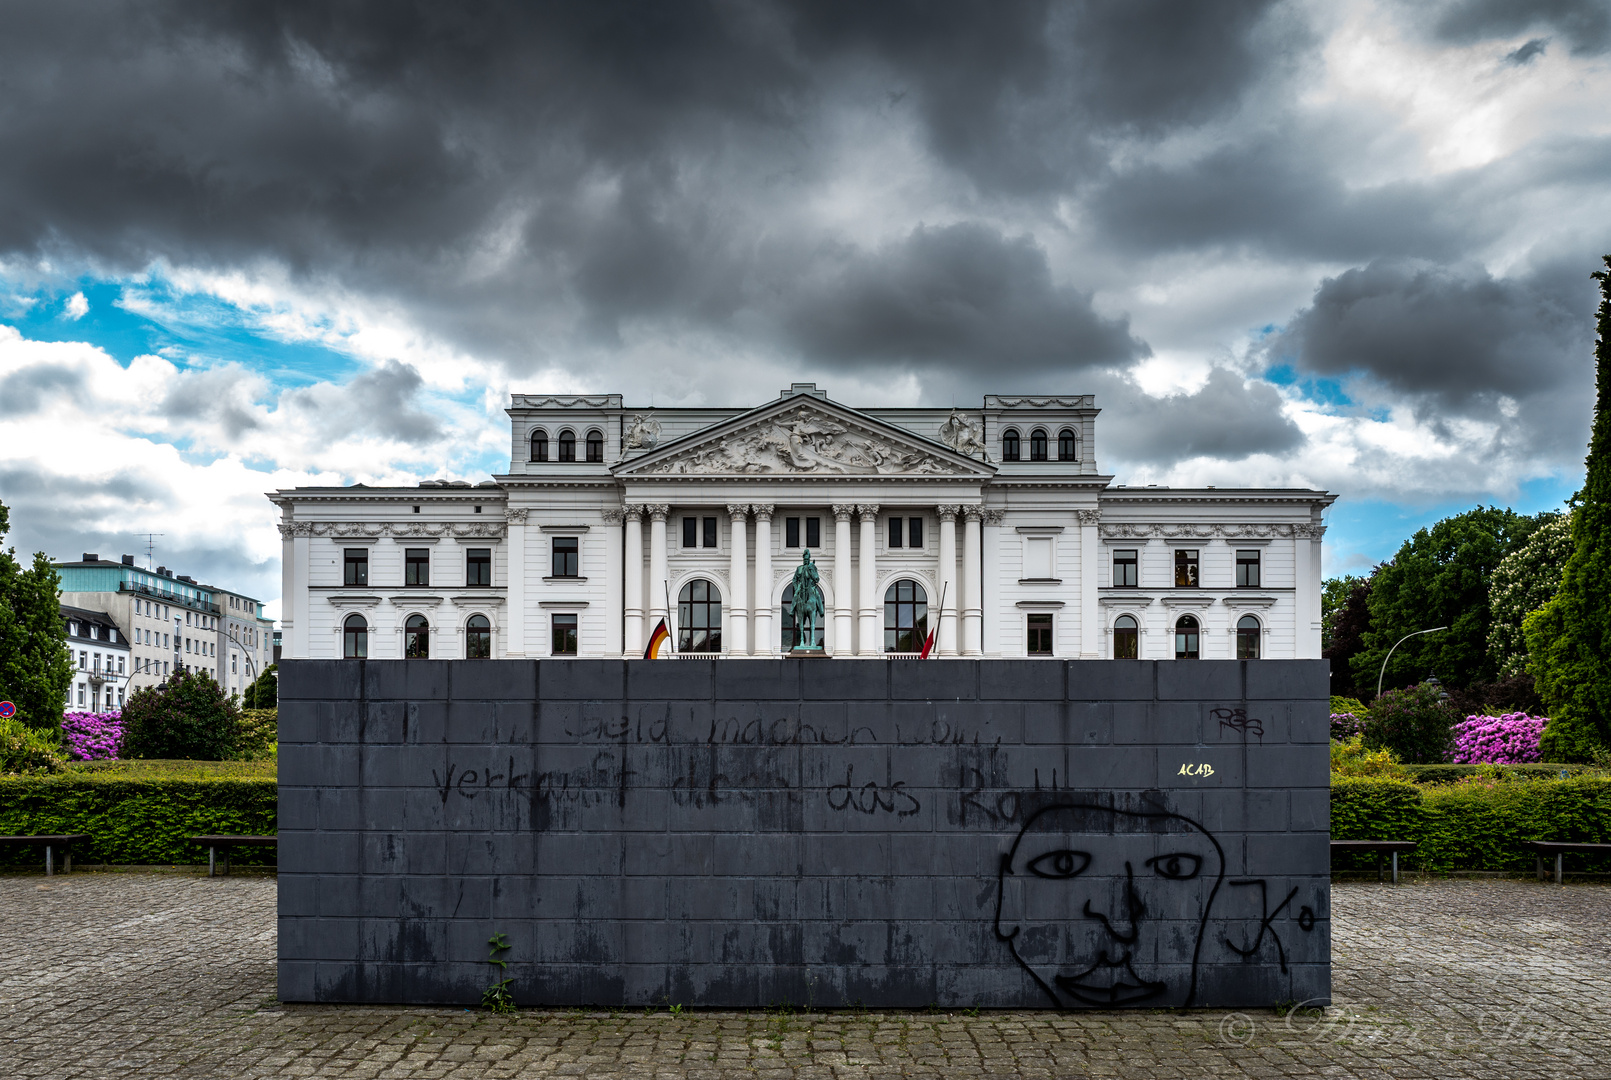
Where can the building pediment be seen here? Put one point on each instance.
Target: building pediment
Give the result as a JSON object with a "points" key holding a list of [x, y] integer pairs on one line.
{"points": [[802, 436]]}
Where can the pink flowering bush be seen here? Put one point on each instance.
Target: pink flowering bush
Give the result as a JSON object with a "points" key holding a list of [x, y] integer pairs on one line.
{"points": [[90, 736], [1345, 725], [1511, 739]]}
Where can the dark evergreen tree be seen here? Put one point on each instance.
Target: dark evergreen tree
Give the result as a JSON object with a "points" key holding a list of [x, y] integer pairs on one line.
{"points": [[35, 665], [264, 692], [1569, 639], [187, 716], [1345, 617]]}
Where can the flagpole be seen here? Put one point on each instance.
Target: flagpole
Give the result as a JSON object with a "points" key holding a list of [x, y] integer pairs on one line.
{"points": [[937, 625], [671, 624]]}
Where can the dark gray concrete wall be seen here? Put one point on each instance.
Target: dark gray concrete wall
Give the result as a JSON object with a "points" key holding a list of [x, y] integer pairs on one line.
{"points": [[825, 832]]}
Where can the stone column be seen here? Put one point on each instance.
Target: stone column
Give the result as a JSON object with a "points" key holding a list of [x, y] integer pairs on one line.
{"points": [[764, 636], [868, 603], [614, 588], [515, 641], [990, 560], [947, 641], [972, 587], [844, 585], [632, 583], [735, 636], [657, 565], [1092, 639], [1306, 594]]}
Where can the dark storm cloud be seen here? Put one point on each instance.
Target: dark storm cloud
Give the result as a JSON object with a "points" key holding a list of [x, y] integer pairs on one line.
{"points": [[25, 391], [1584, 23], [1529, 52], [213, 395], [1228, 418], [948, 298], [379, 402]]}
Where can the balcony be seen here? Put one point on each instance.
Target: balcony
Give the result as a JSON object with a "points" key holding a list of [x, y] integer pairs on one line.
{"points": [[169, 598]]}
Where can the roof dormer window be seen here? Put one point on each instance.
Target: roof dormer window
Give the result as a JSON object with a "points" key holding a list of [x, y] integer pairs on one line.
{"points": [[1009, 445]]}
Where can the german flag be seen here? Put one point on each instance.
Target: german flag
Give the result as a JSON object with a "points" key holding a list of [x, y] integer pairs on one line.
{"points": [[660, 636]]}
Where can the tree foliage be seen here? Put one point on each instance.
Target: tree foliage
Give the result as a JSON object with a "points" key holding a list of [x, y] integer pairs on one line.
{"points": [[1344, 618], [1440, 577], [1524, 581], [187, 716], [264, 692], [1569, 639], [1415, 724], [35, 665]]}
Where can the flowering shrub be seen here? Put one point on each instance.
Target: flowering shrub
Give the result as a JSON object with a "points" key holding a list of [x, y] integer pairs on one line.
{"points": [[1350, 758], [1345, 725], [1511, 739], [92, 736], [1414, 723]]}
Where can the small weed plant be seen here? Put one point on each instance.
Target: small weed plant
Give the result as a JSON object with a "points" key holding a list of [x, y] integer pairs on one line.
{"points": [[497, 997]]}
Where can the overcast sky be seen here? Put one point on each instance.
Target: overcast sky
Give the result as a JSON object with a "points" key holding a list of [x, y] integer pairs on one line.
{"points": [[1342, 244]]}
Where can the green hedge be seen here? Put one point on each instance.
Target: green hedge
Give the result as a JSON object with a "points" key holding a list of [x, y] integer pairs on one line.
{"points": [[1447, 774], [141, 820], [1471, 825]]}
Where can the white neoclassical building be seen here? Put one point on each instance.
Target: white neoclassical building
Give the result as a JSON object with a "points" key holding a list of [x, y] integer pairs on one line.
{"points": [[993, 526]]}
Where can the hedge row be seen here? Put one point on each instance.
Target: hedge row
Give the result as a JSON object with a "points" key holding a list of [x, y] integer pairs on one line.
{"points": [[140, 821], [1472, 825]]}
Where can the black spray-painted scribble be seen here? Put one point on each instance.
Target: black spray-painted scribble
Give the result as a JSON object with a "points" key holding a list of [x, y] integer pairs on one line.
{"points": [[1236, 719], [1266, 919]]}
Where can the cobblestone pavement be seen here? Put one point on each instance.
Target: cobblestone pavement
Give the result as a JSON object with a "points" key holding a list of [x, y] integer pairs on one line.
{"points": [[114, 975]]}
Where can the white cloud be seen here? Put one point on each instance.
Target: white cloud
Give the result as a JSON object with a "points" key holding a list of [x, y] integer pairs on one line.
{"points": [[76, 307]]}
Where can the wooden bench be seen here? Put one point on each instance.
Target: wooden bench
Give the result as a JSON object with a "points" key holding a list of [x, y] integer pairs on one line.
{"points": [[215, 844], [1379, 847], [65, 841], [1541, 848]]}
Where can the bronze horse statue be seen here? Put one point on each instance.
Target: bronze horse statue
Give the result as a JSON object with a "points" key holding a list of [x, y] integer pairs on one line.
{"points": [[805, 605]]}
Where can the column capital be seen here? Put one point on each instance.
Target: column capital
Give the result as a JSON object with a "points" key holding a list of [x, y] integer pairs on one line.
{"points": [[632, 512], [658, 511], [738, 511], [992, 515], [973, 513], [867, 511], [762, 511], [614, 515], [844, 511], [949, 511], [516, 517], [1089, 517]]}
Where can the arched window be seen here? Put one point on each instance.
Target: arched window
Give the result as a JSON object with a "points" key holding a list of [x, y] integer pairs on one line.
{"points": [[1126, 638], [478, 638], [791, 633], [355, 638], [1037, 445], [1068, 448], [539, 445], [567, 446], [1247, 638], [906, 617], [1186, 638], [595, 445], [1009, 445], [699, 617], [416, 638]]}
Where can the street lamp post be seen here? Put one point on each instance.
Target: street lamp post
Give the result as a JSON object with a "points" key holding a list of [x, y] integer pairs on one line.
{"points": [[1396, 644]]}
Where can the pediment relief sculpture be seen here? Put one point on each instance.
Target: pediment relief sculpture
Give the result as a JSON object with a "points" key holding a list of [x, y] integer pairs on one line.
{"points": [[802, 440], [962, 436]]}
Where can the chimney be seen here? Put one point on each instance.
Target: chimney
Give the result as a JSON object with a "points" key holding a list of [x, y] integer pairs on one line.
{"points": [[128, 560], [90, 556], [162, 571]]}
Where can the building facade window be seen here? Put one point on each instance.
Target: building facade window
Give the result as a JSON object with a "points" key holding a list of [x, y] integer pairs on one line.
{"points": [[355, 638], [1040, 635], [1126, 638], [1125, 569], [1247, 569], [417, 638], [699, 617], [1009, 445], [791, 532], [1037, 445], [1247, 638], [914, 532], [906, 617], [896, 531], [709, 533], [564, 635], [567, 446], [416, 566], [1068, 447], [1187, 637], [539, 445], [595, 446], [478, 567], [690, 532], [355, 566], [567, 557], [1186, 568], [789, 638], [477, 638]]}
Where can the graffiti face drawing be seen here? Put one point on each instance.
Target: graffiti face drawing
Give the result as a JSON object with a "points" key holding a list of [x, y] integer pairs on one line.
{"points": [[1107, 907]]}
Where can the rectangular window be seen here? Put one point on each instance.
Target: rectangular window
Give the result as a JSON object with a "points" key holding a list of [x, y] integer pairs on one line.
{"points": [[914, 532], [813, 532], [81, 696], [232, 659], [1247, 569], [83, 660], [1125, 566], [791, 532], [690, 532], [710, 532], [564, 635], [1185, 568], [120, 665], [1040, 635], [357, 566], [895, 524], [567, 556], [478, 566], [416, 566]]}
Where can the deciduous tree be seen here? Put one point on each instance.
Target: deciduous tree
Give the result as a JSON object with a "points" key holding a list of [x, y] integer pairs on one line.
{"points": [[35, 665]]}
